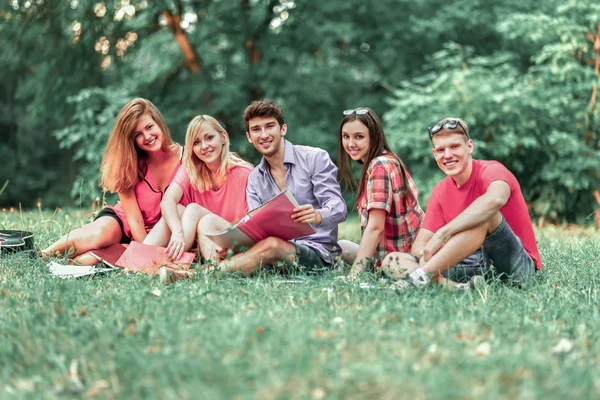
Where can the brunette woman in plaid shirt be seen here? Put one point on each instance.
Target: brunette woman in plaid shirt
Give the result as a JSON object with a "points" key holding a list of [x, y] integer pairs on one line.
{"points": [[387, 205]]}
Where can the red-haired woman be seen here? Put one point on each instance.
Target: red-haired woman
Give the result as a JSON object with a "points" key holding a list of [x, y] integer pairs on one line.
{"points": [[139, 163]]}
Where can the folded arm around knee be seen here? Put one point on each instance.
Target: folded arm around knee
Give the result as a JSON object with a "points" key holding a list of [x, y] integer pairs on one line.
{"points": [[484, 210]]}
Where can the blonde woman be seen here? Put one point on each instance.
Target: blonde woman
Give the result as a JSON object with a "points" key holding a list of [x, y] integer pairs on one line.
{"points": [[211, 180], [139, 163]]}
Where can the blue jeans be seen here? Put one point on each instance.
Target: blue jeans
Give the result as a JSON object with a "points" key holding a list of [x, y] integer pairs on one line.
{"points": [[502, 249]]}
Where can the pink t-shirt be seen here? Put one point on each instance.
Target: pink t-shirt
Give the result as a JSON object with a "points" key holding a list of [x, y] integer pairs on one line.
{"points": [[148, 198], [229, 202], [447, 201]]}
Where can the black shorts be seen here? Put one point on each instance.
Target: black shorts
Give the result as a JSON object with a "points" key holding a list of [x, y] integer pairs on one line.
{"points": [[109, 212], [309, 259]]}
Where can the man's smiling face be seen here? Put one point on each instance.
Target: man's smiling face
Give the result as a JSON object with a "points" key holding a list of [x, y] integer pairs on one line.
{"points": [[266, 135], [452, 153]]}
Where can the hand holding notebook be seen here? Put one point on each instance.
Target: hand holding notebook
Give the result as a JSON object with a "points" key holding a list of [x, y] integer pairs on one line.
{"points": [[274, 218]]}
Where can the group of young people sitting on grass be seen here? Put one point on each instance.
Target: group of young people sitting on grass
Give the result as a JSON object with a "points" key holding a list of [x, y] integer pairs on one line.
{"points": [[477, 223]]}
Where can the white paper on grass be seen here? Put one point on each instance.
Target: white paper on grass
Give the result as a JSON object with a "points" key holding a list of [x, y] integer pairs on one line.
{"points": [[74, 271]]}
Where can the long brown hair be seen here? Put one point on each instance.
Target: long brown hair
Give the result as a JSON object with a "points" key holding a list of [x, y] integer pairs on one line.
{"points": [[197, 170], [377, 146], [122, 156]]}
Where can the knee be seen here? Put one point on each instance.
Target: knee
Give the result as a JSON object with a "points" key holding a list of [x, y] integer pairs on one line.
{"points": [[348, 250], [193, 209], [269, 246], [193, 214], [494, 222], [396, 264], [209, 222], [397, 258]]}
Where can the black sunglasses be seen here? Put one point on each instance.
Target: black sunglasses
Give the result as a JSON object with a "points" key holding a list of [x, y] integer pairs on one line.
{"points": [[357, 111], [450, 123]]}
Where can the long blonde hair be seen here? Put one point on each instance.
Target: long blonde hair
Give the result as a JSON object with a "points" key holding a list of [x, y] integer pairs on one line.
{"points": [[197, 170], [122, 156]]}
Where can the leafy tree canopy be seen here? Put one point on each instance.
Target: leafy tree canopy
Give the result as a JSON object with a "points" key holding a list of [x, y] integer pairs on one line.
{"points": [[520, 72]]}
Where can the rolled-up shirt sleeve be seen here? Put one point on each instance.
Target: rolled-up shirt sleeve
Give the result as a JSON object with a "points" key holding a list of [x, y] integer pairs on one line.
{"points": [[326, 189], [252, 197]]}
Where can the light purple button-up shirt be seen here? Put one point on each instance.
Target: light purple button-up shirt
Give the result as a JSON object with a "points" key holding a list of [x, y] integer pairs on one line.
{"points": [[312, 178]]}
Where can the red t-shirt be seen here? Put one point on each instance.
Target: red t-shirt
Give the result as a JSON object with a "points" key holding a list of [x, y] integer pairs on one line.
{"points": [[447, 201], [229, 202]]}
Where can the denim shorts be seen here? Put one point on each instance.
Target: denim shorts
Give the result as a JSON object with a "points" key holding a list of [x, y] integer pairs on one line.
{"points": [[475, 264], [502, 249]]}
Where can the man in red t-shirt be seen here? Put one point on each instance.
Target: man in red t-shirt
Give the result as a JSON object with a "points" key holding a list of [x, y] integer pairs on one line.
{"points": [[475, 217]]}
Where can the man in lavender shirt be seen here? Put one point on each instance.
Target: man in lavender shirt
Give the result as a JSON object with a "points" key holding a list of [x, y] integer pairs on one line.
{"points": [[310, 175]]}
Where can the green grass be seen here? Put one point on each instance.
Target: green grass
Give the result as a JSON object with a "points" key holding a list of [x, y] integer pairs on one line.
{"points": [[230, 337]]}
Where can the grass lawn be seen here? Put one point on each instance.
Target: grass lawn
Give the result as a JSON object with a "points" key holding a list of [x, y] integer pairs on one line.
{"points": [[220, 337]]}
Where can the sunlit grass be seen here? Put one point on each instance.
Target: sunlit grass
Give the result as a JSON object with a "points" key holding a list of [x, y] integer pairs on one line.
{"points": [[227, 337]]}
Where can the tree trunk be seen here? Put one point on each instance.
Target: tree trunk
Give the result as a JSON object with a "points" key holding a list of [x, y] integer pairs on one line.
{"points": [[588, 138], [174, 22]]}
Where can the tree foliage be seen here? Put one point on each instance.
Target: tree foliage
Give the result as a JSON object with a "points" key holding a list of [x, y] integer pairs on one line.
{"points": [[534, 118], [517, 70]]}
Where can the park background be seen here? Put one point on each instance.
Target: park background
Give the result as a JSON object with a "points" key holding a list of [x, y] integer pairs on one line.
{"points": [[522, 73]]}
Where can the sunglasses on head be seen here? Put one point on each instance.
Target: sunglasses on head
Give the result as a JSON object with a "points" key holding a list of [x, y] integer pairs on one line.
{"points": [[357, 111], [450, 123]]}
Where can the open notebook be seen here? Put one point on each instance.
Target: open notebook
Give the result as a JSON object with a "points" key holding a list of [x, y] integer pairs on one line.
{"points": [[270, 219]]}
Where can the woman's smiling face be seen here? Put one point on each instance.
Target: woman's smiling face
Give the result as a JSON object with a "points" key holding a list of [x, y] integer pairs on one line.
{"points": [[208, 145], [355, 140], [147, 135]]}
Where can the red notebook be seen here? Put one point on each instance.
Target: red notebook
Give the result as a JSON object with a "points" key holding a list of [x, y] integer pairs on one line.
{"points": [[109, 255], [141, 257], [274, 218]]}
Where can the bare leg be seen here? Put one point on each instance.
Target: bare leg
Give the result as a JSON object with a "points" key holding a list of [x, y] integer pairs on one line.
{"points": [[100, 233], [189, 215], [397, 265], [460, 246], [208, 248], [267, 251], [160, 233], [348, 250], [86, 259], [189, 221]]}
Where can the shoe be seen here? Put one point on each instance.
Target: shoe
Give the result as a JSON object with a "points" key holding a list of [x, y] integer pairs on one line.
{"points": [[401, 285], [169, 275], [419, 277], [477, 282]]}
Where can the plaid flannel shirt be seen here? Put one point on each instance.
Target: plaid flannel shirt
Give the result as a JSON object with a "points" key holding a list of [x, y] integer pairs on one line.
{"points": [[385, 190]]}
